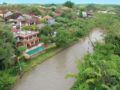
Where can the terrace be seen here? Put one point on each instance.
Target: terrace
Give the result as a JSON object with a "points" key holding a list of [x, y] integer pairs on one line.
{"points": [[25, 34]]}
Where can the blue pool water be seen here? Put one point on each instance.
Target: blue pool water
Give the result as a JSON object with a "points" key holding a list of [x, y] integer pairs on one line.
{"points": [[36, 50]]}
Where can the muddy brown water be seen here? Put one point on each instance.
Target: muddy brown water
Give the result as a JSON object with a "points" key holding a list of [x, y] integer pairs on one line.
{"points": [[50, 75]]}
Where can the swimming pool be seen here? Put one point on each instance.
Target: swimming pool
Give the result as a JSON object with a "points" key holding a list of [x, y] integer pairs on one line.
{"points": [[36, 50]]}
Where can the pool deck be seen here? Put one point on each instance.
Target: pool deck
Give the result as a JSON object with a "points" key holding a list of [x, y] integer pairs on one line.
{"points": [[33, 55], [34, 47]]}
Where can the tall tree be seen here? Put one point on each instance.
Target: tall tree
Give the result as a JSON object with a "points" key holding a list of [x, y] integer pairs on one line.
{"points": [[6, 48], [69, 4]]}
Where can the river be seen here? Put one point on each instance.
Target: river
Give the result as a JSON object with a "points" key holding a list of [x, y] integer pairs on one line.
{"points": [[50, 75]]}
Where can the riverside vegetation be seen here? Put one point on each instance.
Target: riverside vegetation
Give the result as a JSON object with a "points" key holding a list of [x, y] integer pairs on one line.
{"points": [[99, 71]]}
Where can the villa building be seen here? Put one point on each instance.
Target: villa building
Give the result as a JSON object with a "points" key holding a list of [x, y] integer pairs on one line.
{"points": [[28, 39], [88, 13], [50, 20], [29, 19], [10, 15]]}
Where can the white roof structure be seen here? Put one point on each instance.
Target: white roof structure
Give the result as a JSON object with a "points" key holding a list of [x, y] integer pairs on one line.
{"points": [[84, 14], [27, 16], [24, 33], [8, 14], [20, 18]]}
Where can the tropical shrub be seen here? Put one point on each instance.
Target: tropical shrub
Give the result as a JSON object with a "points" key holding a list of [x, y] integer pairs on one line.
{"points": [[6, 49], [64, 38], [30, 27], [7, 80], [98, 72]]}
